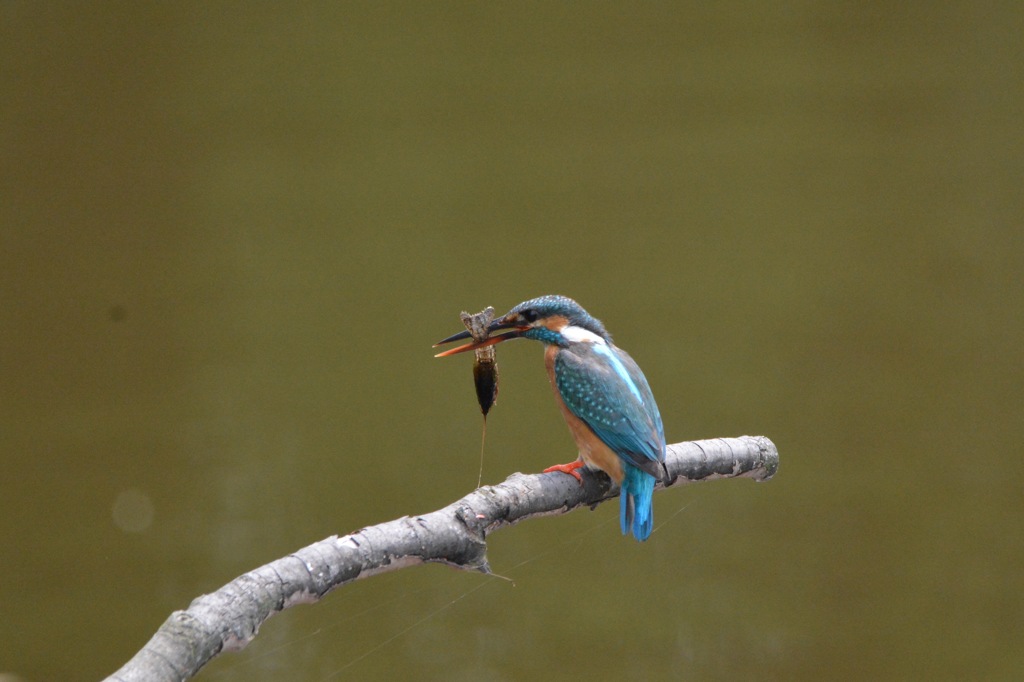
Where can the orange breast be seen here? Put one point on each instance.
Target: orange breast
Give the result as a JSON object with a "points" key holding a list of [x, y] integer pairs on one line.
{"points": [[592, 449]]}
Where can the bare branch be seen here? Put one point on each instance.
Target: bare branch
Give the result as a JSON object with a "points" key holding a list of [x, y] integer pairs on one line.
{"points": [[229, 618]]}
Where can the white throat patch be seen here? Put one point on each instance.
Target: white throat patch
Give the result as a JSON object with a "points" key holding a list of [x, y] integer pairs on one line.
{"points": [[581, 335]]}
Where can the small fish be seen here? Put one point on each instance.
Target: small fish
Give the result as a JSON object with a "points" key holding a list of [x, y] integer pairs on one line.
{"points": [[485, 367]]}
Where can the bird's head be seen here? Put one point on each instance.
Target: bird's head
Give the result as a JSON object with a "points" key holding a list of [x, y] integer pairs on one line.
{"points": [[542, 319]]}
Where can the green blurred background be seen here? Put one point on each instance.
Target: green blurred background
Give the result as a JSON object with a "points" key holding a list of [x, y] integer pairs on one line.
{"points": [[230, 233]]}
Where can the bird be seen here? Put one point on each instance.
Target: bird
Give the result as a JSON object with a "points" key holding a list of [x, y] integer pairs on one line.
{"points": [[602, 394]]}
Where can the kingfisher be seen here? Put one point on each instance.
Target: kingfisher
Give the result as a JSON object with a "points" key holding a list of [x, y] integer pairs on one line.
{"points": [[602, 394]]}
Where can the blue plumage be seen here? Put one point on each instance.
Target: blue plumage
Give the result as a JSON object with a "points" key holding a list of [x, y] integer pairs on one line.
{"points": [[613, 407], [603, 395], [636, 506], [601, 386]]}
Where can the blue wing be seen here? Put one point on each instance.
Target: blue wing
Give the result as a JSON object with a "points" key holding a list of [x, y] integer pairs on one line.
{"points": [[646, 396], [605, 388]]}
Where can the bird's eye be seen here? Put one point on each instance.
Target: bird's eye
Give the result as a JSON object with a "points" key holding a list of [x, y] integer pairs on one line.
{"points": [[530, 315]]}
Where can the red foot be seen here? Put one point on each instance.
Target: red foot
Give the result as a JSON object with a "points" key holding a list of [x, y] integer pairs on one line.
{"points": [[569, 468]]}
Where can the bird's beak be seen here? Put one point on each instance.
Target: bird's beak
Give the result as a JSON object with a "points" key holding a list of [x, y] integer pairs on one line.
{"points": [[489, 341]]}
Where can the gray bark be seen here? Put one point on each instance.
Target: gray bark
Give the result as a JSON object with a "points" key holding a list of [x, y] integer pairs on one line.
{"points": [[229, 618]]}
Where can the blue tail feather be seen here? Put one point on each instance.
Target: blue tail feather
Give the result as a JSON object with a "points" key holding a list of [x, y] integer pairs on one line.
{"points": [[636, 503]]}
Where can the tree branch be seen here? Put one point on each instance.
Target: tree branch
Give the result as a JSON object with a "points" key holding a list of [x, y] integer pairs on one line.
{"points": [[229, 618]]}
